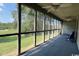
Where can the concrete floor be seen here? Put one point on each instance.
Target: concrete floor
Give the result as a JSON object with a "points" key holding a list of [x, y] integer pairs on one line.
{"points": [[59, 46]]}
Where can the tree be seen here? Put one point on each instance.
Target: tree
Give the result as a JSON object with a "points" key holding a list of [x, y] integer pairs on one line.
{"points": [[27, 19], [15, 16]]}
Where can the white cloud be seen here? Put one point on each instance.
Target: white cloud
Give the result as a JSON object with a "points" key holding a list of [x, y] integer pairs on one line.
{"points": [[0, 9], [1, 4]]}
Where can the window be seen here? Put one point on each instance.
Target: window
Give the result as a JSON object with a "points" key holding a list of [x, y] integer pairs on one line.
{"points": [[55, 28], [28, 17], [51, 34], [47, 28], [27, 25], [8, 19], [35, 28], [47, 23], [40, 19], [8, 25], [40, 27], [46, 35], [27, 41], [55, 25], [52, 24], [39, 38], [8, 45], [59, 27], [52, 27]]}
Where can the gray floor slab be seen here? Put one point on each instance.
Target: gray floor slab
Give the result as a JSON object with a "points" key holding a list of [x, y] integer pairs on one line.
{"points": [[59, 46]]}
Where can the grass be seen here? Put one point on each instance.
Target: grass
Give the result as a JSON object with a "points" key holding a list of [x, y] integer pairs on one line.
{"points": [[8, 44], [6, 31]]}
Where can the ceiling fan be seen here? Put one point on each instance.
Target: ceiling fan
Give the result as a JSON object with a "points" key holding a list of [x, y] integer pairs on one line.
{"points": [[55, 6]]}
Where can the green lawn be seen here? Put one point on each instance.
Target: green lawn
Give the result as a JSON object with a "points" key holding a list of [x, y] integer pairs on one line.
{"points": [[6, 31], [8, 44]]}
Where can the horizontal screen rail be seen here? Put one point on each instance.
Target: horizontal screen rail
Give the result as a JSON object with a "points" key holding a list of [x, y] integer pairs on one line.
{"points": [[1, 35]]}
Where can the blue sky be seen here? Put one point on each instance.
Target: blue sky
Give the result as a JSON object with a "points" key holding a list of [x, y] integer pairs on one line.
{"points": [[5, 12]]}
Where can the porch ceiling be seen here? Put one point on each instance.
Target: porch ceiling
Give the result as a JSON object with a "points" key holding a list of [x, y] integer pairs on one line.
{"points": [[66, 11]]}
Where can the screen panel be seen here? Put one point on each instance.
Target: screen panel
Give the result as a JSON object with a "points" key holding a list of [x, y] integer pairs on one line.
{"points": [[27, 19], [40, 19], [51, 34], [8, 46], [46, 35], [27, 41], [47, 23], [8, 18], [39, 38]]}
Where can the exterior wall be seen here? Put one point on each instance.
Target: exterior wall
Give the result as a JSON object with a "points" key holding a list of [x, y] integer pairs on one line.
{"points": [[69, 27], [78, 36]]}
